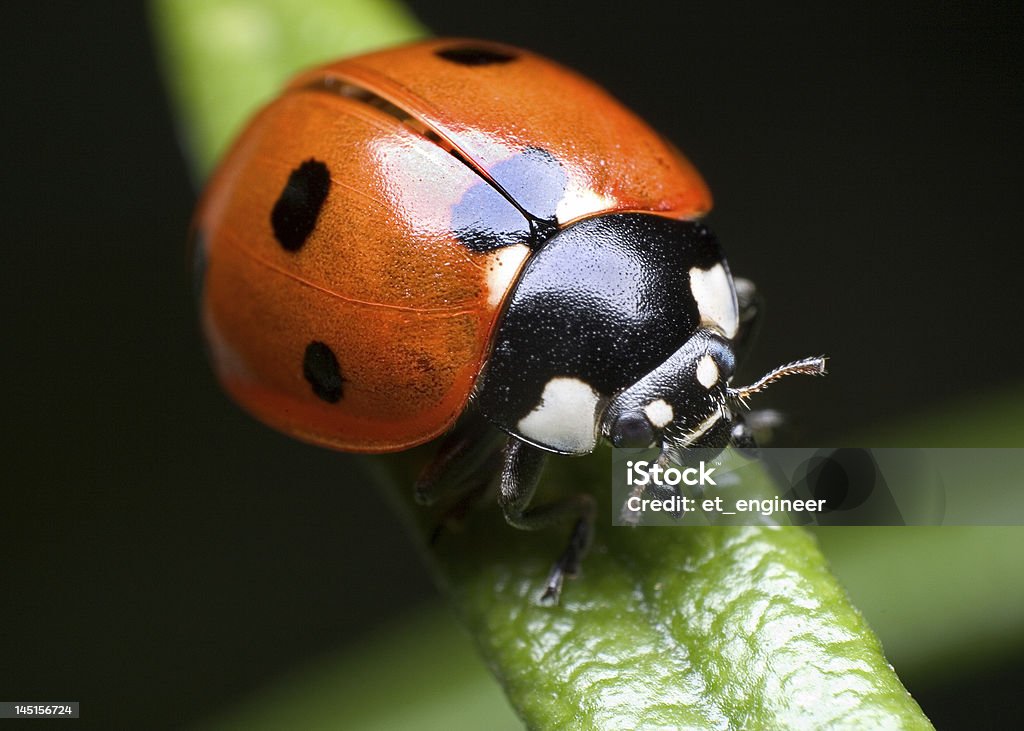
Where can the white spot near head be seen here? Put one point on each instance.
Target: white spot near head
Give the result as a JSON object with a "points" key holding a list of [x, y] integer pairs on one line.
{"points": [[707, 371], [703, 427], [566, 417], [581, 200], [659, 413], [716, 299], [503, 267]]}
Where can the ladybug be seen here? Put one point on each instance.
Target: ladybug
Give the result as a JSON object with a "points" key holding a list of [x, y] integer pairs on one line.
{"points": [[463, 238]]}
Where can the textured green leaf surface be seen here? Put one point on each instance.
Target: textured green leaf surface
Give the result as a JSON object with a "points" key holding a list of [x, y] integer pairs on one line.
{"points": [[706, 627], [695, 627]]}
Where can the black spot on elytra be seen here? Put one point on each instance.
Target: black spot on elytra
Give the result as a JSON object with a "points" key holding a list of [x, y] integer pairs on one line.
{"points": [[297, 208], [320, 368], [198, 246], [475, 55]]}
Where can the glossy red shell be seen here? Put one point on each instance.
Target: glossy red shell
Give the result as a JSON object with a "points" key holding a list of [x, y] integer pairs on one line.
{"points": [[384, 280]]}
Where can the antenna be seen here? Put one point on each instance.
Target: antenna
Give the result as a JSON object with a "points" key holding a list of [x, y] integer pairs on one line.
{"points": [[808, 367]]}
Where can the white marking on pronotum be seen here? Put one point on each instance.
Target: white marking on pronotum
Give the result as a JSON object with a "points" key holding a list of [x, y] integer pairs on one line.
{"points": [[707, 371], [503, 268], [565, 418], [716, 299], [702, 427], [659, 413], [580, 201]]}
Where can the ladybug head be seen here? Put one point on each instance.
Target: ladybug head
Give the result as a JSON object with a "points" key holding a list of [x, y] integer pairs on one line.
{"points": [[687, 402]]}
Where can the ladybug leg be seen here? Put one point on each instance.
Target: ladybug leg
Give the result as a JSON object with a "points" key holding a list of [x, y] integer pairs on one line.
{"points": [[751, 305], [753, 428], [464, 466], [519, 477], [658, 492], [742, 439], [472, 491], [460, 461]]}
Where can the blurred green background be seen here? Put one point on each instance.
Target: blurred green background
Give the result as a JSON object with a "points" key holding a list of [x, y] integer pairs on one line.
{"points": [[165, 559]]}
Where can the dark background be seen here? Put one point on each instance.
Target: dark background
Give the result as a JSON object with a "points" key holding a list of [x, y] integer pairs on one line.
{"points": [[157, 546]]}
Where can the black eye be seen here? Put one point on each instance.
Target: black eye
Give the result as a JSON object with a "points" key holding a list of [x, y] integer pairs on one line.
{"points": [[632, 429]]}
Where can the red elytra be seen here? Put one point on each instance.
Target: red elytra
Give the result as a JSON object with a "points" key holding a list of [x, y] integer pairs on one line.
{"points": [[360, 237]]}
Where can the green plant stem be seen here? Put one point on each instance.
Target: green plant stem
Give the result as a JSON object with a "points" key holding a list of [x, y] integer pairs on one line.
{"points": [[698, 627]]}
